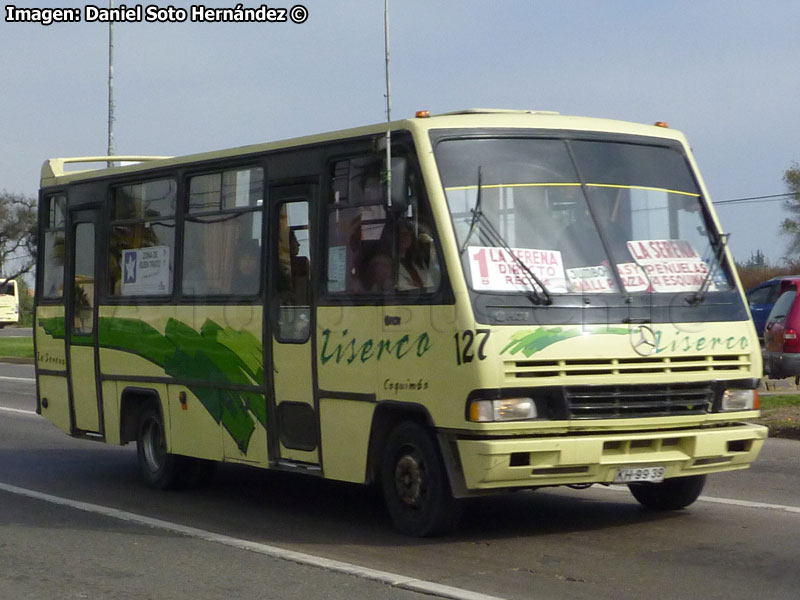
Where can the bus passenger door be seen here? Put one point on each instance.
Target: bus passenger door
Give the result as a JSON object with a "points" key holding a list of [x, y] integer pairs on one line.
{"points": [[81, 325], [294, 431]]}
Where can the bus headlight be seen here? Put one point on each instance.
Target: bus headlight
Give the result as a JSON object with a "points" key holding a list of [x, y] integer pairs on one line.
{"points": [[738, 399], [505, 409]]}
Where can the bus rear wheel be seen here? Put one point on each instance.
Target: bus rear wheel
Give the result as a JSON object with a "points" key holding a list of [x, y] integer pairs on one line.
{"points": [[672, 494], [158, 467], [161, 469], [414, 482]]}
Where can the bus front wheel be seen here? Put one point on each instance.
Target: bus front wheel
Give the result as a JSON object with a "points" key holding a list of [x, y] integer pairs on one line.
{"points": [[414, 482], [672, 494]]}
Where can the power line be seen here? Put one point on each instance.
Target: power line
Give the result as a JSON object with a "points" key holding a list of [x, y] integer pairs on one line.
{"points": [[752, 199]]}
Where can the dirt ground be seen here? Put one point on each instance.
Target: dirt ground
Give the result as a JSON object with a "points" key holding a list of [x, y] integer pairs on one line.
{"points": [[783, 422]]}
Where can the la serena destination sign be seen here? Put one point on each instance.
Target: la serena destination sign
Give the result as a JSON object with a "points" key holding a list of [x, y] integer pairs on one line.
{"points": [[660, 266], [671, 265], [493, 269]]}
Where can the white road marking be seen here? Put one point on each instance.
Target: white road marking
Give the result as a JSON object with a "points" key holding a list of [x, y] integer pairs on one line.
{"points": [[730, 501], [749, 504], [17, 378], [384, 577], [18, 410]]}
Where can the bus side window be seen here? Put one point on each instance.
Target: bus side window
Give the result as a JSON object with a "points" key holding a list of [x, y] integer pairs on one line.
{"points": [[54, 248], [356, 219], [142, 239], [354, 240], [294, 272], [371, 251], [222, 234], [83, 291]]}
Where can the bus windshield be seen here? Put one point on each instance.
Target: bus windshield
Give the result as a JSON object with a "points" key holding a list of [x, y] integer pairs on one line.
{"points": [[582, 216]]}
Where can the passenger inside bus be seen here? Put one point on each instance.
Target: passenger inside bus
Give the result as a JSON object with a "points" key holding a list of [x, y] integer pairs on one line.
{"points": [[379, 275], [415, 252], [245, 276], [300, 271], [411, 269]]}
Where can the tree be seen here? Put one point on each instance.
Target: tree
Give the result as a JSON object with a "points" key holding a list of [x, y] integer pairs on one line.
{"points": [[17, 234], [758, 269], [25, 304], [791, 225], [757, 260]]}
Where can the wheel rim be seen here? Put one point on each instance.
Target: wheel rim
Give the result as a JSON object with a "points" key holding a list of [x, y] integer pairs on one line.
{"points": [[409, 478], [154, 446]]}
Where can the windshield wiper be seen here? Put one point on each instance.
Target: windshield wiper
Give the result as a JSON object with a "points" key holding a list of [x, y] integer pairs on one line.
{"points": [[700, 294], [476, 214], [496, 239]]}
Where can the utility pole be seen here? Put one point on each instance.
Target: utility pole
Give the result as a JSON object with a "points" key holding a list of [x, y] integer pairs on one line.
{"points": [[111, 85], [388, 106]]}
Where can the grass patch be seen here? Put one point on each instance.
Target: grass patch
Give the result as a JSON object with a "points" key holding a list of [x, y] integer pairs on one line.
{"points": [[781, 413], [779, 400], [16, 347]]}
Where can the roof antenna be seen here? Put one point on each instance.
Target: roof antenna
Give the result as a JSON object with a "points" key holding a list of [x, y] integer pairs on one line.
{"points": [[388, 107]]}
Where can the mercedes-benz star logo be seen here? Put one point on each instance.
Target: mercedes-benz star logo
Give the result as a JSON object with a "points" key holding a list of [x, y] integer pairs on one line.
{"points": [[643, 340]]}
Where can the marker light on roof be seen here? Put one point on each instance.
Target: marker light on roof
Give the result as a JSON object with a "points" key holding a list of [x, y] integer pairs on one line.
{"points": [[663, 124], [423, 114]]}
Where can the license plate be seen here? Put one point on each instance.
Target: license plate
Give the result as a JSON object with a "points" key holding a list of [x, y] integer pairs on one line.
{"points": [[628, 475]]}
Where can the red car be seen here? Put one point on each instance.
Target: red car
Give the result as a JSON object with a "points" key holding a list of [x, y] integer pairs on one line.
{"points": [[781, 333]]}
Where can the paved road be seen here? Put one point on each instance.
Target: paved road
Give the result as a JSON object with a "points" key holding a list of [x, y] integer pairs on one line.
{"points": [[58, 552], [16, 332], [559, 543], [17, 389]]}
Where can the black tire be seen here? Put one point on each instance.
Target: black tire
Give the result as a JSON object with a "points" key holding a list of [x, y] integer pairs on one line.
{"points": [[158, 468], [672, 494], [414, 482]]}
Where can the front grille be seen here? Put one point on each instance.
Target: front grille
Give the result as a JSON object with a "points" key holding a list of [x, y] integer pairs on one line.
{"points": [[628, 367], [614, 402]]}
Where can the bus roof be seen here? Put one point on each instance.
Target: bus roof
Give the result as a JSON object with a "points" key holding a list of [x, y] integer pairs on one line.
{"points": [[54, 171]]}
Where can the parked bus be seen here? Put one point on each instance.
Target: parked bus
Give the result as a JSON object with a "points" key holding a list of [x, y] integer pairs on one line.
{"points": [[9, 302], [535, 300]]}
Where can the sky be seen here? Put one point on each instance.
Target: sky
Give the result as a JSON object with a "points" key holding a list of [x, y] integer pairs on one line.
{"points": [[725, 72]]}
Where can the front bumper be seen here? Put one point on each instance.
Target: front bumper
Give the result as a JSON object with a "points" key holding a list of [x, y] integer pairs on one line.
{"points": [[782, 364], [493, 464]]}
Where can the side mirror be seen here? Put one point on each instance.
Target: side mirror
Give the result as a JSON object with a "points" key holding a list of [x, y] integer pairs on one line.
{"points": [[399, 192]]}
